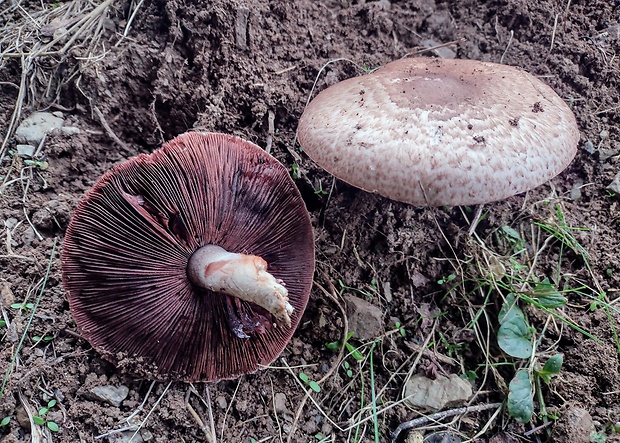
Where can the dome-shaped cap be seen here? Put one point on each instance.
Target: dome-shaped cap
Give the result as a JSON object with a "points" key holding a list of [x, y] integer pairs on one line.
{"points": [[126, 253], [441, 132]]}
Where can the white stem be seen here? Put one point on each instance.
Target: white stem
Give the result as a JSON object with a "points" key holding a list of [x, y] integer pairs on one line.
{"points": [[242, 276]]}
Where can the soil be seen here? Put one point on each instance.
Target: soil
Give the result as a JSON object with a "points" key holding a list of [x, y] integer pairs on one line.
{"points": [[226, 66]]}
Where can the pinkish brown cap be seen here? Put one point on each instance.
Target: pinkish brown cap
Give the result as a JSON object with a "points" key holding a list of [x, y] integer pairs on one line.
{"points": [[126, 253], [441, 132]]}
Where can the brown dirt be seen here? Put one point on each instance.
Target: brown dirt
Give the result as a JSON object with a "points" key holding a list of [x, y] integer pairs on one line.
{"points": [[185, 66]]}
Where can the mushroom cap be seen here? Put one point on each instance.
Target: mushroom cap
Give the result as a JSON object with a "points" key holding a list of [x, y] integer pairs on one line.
{"points": [[127, 247], [434, 132]]}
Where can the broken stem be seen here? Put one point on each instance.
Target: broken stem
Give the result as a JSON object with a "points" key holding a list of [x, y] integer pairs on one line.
{"points": [[243, 276]]}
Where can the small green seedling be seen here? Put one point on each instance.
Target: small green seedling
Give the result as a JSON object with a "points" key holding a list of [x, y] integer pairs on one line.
{"points": [[311, 383], [2, 323], [44, 339], [320, 191], [42, 165], [295, 171], [353, 351], [320, 437], [5, 421], [40, 419], [447, 279], [401, 329], [23, 306]]}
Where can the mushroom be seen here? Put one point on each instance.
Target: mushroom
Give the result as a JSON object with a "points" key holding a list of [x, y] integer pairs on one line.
{"points": [[433, 132], [193, 263]]}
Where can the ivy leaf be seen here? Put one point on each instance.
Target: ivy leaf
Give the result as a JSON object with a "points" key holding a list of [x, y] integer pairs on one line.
{"points": [[551, 368], [514, 335], [520, 400]]}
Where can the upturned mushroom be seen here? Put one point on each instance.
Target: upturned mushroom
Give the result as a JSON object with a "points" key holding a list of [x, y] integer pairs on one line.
{"points": [[433, 132], [193, 263]]}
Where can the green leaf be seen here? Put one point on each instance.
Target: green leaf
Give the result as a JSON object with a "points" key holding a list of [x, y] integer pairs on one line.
{"points": [[314, 386], [52, 426], [51, 403], [514, 335], [333, 346], [303, 377], [357, 355], [551, 368], [548, 296], [30, 305], [43, 411], [520, 400], [5, 421], [510, 232], [16, 305], [38, 420]]}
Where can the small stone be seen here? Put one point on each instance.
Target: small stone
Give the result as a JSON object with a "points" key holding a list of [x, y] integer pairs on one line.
{"points": [[442, 437], [111, 394], [36, 126], [25, 150], [575, 192], [588, 146], [22, 418], [365, 319], [241, 27], [444, 52], [58, 114], [10, 223], [126, 437], [221, 402], [280, 402], [146, 435], [575, 425], [424, 393], [7, 298], [70, 130], [414, 437], [614, 186]]}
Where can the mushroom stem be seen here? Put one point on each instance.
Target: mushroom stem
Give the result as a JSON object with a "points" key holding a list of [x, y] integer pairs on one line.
{"points": [[243, 276]]}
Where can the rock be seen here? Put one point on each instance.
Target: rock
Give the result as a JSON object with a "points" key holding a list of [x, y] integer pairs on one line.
{"points": [[414, 437], [221, 402], [70, 130], [10, 223], [442, 437], [423, 393], [575, 425], [365, 319], [110, 394], [25, 150], [36, 126], [614, 186], [126, 437], [7, 298], [503, 438], [280, 402], [146, 435], [444, 52]]}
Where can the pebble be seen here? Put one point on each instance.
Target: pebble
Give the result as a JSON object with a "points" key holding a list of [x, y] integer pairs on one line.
{"points": [[425, 393], [221, 402], [443, 437], [576, 424], [25, 150], [614, 186], [33, 128], [111, 394], [280, 402], [365, 319]]}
